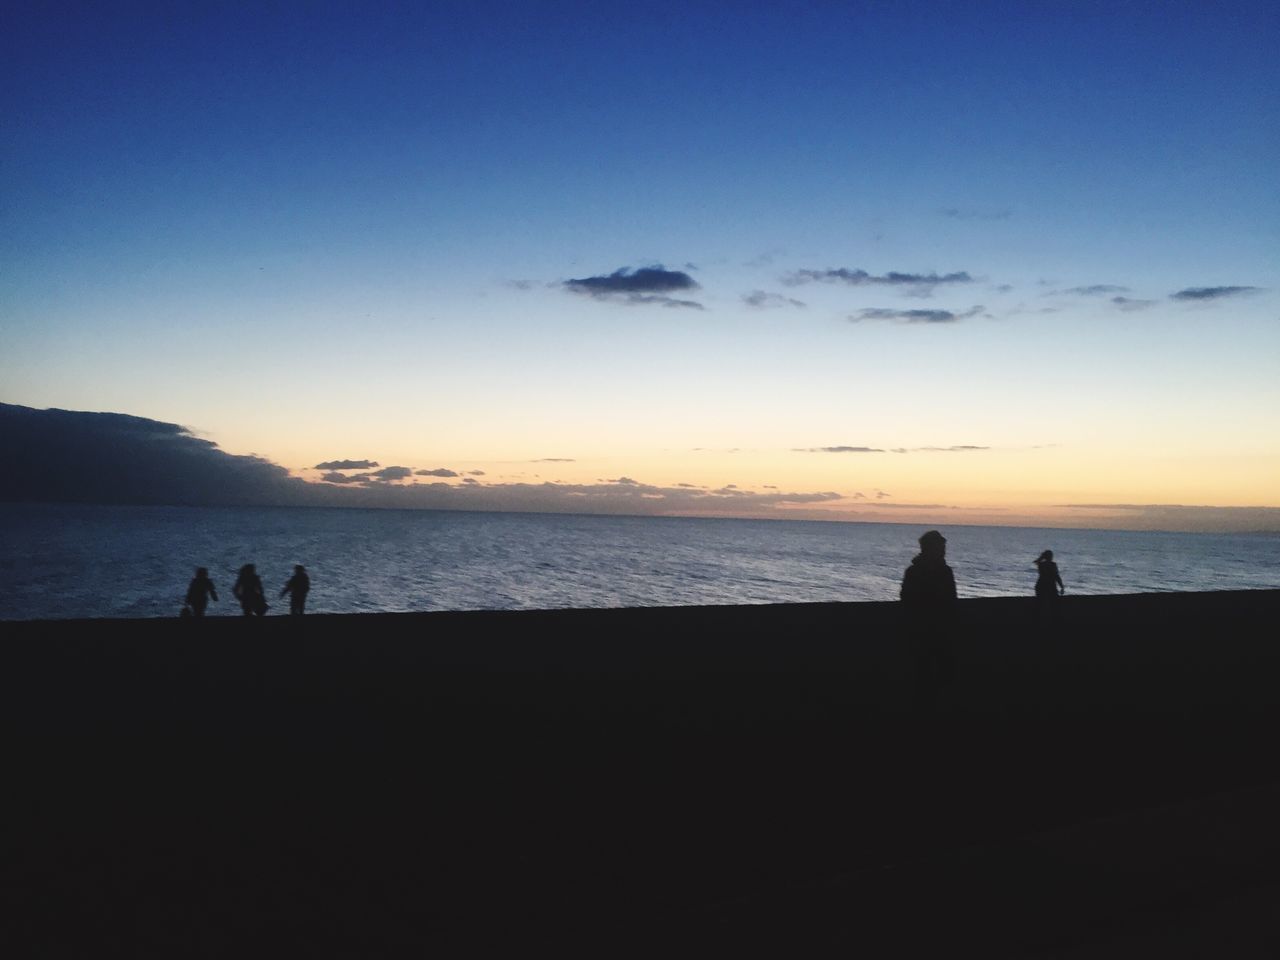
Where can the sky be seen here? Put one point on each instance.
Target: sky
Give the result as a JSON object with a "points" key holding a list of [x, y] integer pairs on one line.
{"points": [[1014, 263]]}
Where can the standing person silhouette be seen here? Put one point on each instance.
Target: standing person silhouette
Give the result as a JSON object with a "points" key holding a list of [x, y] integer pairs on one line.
{"points": [[929, 583], [200, 592], [1048, 584], [248, 591], [297, 588], [929, 599]]}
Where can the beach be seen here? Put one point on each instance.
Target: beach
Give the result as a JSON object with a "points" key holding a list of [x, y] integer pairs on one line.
{"points": [[680, 779]]}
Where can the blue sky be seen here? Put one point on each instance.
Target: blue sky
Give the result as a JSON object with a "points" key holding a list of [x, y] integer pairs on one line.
{"points": [[324, 231]]}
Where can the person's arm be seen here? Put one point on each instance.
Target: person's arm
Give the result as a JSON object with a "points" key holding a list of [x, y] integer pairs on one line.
{"points": [[1057, 576], [951, 585], [212, 592]]}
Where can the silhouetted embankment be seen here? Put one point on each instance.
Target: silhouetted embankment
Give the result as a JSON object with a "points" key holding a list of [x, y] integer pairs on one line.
{"points": [[692, 780]]}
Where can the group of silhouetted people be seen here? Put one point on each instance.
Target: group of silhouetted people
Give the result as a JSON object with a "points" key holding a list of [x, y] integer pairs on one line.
{"points": [[929, 598], [248, 590], [929, 582]]}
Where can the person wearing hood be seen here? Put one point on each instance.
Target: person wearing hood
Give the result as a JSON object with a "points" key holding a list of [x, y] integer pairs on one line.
{"points": [[929, 601], [929, 583]]}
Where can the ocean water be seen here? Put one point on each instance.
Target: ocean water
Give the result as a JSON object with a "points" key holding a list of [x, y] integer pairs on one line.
{"points": [[59, 560]]}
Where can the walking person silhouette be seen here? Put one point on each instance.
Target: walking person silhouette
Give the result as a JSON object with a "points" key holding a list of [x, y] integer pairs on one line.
{"points": [[200, 592], [248, 590], [298, 587]]}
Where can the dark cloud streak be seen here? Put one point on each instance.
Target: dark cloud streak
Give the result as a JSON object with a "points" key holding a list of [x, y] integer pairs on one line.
{"points": [[1201, 294], [347, 465], [918, 282], [914, 316], [763, 300], [643, 286]]}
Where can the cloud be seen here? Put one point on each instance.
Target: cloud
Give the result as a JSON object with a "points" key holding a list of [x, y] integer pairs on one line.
{"points": [[660, 301], [914, 316], [346, 465], [391, 474], [765, 259], [72, 456], [1210, 293], [470, 480], [437, 472], [645, 285], [957, 448], [1129, 304], [554, 460], [1096, 290], [915, 282], [963, 213], [836, 450], [761, 299], [80, 457], [475, 473]]}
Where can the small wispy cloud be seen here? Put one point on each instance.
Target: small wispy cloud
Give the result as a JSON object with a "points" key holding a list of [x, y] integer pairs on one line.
{"points": [[1096, 290], [437, 472], [346, 465], [761, 299], [914, 316], [645, 285], [913, 282], [957, 448], [839, 449], [1130, 304], [976, 213], [1211, 293], [554, 460]]}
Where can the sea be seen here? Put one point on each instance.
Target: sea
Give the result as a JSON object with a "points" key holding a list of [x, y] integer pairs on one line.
{"points": [[72, 560]]}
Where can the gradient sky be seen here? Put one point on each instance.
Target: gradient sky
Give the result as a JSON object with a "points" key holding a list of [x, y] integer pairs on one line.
{"points": [[316, 232]]}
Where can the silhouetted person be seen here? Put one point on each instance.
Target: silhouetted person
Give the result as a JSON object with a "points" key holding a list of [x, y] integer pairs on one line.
{"points": [[1049, 583], [929, 601], [297, 588], [928, 583], [200, 592], [248, 591]]}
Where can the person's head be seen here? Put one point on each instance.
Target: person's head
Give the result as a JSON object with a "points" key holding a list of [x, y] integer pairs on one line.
{"points": [[1045, 557], [299, 568], [933, 544], [246, 570], [202, 573]]}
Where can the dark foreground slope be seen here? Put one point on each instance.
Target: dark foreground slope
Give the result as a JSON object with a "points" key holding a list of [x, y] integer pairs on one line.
{"points": [[668, 780]]}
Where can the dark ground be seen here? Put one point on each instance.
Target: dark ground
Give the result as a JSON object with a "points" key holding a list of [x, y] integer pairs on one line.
{"points": [[677, 781]]}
